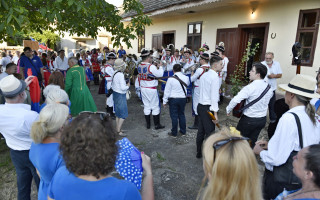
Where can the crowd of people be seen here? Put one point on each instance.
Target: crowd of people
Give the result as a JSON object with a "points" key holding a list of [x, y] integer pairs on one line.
{"points": [[70, 150]]}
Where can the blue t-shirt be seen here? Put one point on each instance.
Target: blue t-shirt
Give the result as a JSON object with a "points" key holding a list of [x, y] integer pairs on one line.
{"points": [[121, 53], [65, 185], [46, 159], [26, 64]]}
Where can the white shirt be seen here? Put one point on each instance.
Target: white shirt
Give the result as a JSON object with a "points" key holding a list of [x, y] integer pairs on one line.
{"points": [[15, 59], [107, 71], [189, 62], [61, 64], [274, 69], [155, 72], [250, 93], [195, 77], [4, 61], [16, 124], [209, 90], [173, 88], [225, 62], [119, 84], [286, 137], [169, 62]]}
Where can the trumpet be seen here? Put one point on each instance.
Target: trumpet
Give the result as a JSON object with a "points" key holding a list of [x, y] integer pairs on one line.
{"points": [[195, 66], [211, 115]]}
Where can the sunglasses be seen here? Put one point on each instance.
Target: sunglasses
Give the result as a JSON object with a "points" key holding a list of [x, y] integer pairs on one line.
{"points": [[218, 144], [102, 115]]}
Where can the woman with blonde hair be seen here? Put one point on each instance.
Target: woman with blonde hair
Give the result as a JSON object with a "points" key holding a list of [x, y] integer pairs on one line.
{"points": [[44, 152], [230, 168]]}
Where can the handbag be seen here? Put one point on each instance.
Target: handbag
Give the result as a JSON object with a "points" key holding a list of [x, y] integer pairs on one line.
{"points": [[240, 107], [39, 75], [284, 173]]}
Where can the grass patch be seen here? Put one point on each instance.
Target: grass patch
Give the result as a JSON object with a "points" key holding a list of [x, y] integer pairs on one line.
{"points": [[160, 157]]}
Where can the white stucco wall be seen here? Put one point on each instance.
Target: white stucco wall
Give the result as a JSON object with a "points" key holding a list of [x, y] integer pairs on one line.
{"points": [[283, 19]]}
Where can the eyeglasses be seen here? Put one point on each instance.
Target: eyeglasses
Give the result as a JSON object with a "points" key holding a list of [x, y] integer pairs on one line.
{"points": [[218, 144], [102, 115]]}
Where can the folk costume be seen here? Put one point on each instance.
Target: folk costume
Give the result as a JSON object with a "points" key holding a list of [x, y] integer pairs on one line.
{"points": [[149, 94], [188, 63], [107, 72], [78, 91], [169, 66], [195, 79], [87, 66], [96, 68]]}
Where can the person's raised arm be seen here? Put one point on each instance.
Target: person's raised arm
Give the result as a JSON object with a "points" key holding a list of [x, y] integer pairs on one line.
{"points": [[147, 183]]}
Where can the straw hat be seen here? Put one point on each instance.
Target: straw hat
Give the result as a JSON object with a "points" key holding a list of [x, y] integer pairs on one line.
{"points": [[301, 85], [119, 65], [10, 86]]}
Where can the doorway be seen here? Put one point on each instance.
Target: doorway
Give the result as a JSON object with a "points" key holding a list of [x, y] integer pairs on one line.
{"points": [[156, 41], [253, 33], [168, 37]]}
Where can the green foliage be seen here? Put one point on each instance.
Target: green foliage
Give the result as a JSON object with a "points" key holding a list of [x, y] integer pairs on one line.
{"points": [[78, 17], [47, 37], [238, 78]]}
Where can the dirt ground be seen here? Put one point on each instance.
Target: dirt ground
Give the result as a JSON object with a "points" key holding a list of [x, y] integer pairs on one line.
{"points": [[177, 172]]}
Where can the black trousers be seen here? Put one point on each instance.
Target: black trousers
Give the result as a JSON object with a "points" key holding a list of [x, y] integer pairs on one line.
{"points": [[205, 127], [272, 189], [250, 127]]}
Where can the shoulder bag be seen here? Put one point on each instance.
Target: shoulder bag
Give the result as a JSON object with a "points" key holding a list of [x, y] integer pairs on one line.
{"points": [[240, 107], [284, 173]]}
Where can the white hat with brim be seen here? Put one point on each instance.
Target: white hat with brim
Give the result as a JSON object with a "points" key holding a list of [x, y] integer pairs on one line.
{"points": [[10, 86], [302, 85], [119, 64]]}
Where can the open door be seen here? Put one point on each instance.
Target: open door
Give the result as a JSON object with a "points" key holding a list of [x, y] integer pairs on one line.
{"points": [[230, 37], [157, 41]]}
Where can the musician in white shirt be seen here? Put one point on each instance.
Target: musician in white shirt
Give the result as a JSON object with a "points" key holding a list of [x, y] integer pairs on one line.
{"points": [[169, 62], [209, 98], [285, 140], [189, 62], [148, 84], [175, 95], [274, 72], [195, 79], [253, 119], [107, 72]]}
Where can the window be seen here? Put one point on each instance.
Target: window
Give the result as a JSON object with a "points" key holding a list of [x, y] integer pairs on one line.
{"points": [[307, 32], [194, 35], [141, 38]]}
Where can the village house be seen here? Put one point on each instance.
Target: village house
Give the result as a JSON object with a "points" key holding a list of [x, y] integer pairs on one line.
{"points": [[275, 24]]}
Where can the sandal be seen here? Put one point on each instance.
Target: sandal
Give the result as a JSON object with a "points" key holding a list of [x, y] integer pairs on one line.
{"points": [[122, 134]]}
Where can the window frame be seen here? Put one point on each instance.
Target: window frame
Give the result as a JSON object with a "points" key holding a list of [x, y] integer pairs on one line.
{"points": [[194, 34], [141, 38], [314, 30]]}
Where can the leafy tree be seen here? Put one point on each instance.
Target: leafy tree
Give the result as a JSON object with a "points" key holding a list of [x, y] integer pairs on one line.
{"points": [[48, 37], [79, 17]]}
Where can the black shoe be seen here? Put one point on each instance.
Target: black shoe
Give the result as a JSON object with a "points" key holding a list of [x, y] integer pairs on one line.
{"points": [[170, 134], [195, 123], [156, 120], [199, 155], [188, 99]]}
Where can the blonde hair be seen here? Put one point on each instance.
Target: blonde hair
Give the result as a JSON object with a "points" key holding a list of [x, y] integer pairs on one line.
{"points": [[82, 52], [52, 117], [234, 174], [57, 95]]}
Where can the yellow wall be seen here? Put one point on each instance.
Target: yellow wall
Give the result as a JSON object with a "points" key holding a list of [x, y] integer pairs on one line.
{"points": [[283, 19]]}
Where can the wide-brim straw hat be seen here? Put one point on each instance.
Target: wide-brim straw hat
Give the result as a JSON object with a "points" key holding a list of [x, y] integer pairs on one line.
{"points": [[302, 85], [10, 86], [119, 65]]}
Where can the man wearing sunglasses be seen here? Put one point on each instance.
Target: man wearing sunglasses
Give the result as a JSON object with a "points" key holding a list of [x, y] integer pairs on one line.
{"points": [[254, 117], [208, 100]]}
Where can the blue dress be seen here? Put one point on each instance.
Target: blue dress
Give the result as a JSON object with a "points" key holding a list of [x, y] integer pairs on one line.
{"points": [[65, 186], [47, 160]]}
